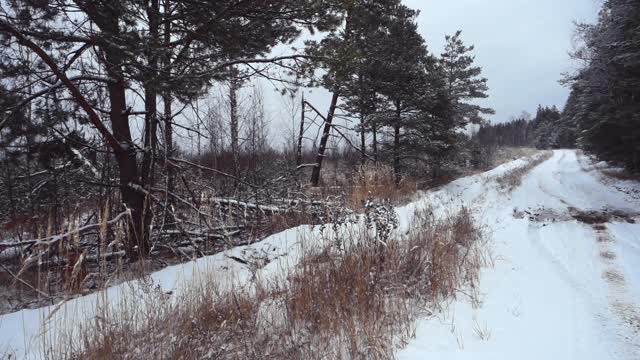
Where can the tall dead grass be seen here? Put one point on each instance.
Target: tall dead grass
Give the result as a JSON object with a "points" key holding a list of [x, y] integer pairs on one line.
{"points": [[505, 154], [356, 301], [378, 182], [513, 178]]}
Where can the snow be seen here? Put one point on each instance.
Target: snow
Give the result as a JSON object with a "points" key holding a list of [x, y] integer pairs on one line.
{"points": [[86, 162], [547, 295], [550, 294], [627, 245]]}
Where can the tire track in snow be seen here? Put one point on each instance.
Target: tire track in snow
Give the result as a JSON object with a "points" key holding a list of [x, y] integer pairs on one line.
{"points": [[626, 322], [533, 235], [627, 312], [619, 297], [627, 326]]}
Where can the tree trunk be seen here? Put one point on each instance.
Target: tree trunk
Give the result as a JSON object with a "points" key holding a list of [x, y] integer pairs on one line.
{"points": [[363, 140], [435, 169], [315, 175], [363, 143], [396, 154], [234, 127], [151, 102], [374, 130], [167, 113], [168, 138], [299, 152], [130, 186], [396, 145]]}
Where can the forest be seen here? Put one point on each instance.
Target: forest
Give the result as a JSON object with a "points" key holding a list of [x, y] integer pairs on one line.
{"points": [[94, 95]]}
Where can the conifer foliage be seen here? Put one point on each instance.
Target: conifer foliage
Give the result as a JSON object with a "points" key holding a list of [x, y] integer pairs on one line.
{"points": [[412, 102], [549, 129], [463, 82], [605, 94]]}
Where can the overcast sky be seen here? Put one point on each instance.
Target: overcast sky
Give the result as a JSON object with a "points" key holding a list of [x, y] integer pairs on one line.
{"points": [[521, 45]]}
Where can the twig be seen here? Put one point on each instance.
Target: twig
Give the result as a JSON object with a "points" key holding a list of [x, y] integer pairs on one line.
{"points": [[54, 239], [214, 171], [23, 282]]}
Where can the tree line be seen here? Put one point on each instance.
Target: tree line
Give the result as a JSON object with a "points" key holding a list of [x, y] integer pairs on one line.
{"points": [[604, 104], [547, 130]]}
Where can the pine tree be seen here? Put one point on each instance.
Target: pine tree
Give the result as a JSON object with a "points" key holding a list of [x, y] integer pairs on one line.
{"points": [[566, 132], [463, 82], [462, 85], [375, 60], [402, 63], [545, 131]]}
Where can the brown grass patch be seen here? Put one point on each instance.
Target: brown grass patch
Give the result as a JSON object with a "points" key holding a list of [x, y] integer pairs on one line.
{"points": [[592, 218], [604, 239], [505, 154], [357, 301], [614, 276], [379, 183], [608, 255], [621, 174], [512, 179]]}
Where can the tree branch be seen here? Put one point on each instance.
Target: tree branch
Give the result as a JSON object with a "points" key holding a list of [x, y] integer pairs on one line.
{"points": [[75, 91]]}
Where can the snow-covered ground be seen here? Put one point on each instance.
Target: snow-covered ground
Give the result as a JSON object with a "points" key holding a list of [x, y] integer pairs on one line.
{"points": [[559, 288]]}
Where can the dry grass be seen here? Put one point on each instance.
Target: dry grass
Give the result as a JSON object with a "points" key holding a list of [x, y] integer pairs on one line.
{"points": [[621, 174], [279, 222], [506, 154], [482, 331], [359, 301], [614, 276], [354, 188], [513, 178], [608, 255], [378, 182]]}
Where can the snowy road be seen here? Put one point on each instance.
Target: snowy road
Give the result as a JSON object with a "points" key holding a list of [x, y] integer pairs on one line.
{"points": [[560, 288]]}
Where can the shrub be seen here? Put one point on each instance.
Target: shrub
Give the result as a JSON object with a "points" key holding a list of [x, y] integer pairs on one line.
{"points": [[359, 300]]}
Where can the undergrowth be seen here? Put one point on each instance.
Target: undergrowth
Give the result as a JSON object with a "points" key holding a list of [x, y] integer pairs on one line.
{"points": [[358, 300], [378, 182]]}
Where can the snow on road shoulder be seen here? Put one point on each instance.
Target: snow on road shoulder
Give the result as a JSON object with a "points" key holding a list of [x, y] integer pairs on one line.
{"points": [[560, 288], [24, 333]]}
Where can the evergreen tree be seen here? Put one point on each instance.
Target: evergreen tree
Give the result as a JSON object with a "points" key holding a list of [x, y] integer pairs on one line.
{"points": [[545, 133], [461, 85], [375, 64], [566, 133]]}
